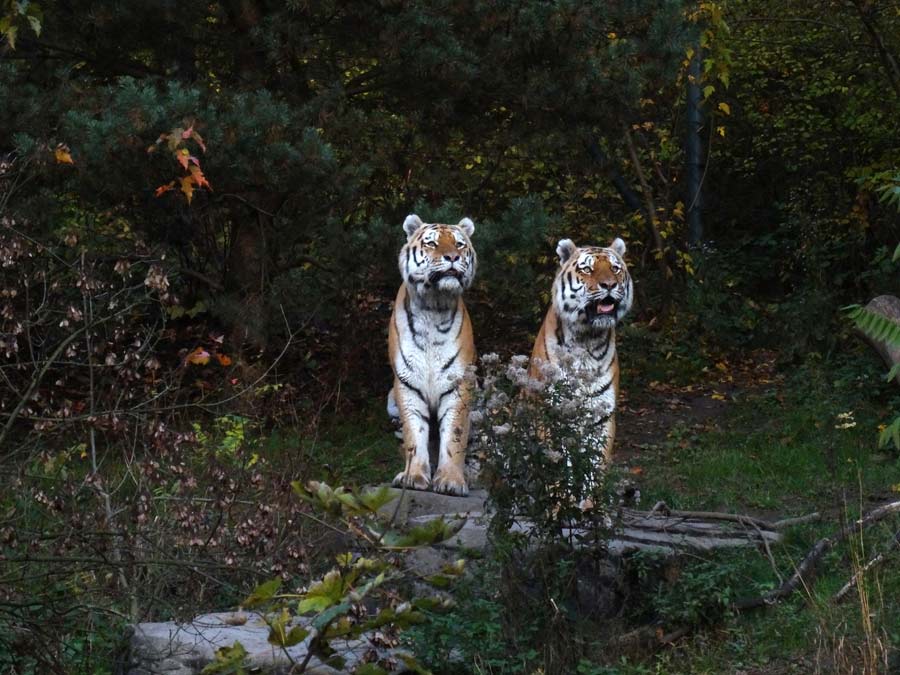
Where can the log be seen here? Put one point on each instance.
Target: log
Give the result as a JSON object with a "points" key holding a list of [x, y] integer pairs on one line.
{"points": [[661, 530], [889, 307]]}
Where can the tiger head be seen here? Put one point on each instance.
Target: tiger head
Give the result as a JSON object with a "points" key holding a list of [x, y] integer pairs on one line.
{"points": [[593, 289], [438, 259]]}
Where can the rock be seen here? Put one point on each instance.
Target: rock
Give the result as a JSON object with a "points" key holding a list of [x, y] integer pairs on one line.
{"points": [[171, 648], [889, 307]]}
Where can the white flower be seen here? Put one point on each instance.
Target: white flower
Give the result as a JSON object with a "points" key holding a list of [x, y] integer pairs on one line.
{"points": [[490, 358], [497, 400], [553, 455], [502, 429], [519, 360]]}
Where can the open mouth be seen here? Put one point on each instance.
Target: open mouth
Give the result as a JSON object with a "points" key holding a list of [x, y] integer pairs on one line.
{"points": [[437, 276], [605, 307]]}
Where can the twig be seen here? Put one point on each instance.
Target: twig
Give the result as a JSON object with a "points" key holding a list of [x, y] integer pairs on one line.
{"points": [[877, 560], [799, 520], [659, 253]]}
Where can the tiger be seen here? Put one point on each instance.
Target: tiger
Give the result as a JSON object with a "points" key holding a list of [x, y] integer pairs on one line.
{"points": [[591, 294], [430, 345]]}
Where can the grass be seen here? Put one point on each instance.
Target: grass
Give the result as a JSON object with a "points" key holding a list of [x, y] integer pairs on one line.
{"points": [[779, 449], [779, 452], [356, 450]]}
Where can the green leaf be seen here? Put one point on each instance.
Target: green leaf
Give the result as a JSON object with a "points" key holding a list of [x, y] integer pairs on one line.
{"points": [[263, 593], [890, 434], [894, 371], [323, 594], [375, 499], [330, 615], [432, 532], [227, 660], [896, 255], [280, 636], [875, 326]]}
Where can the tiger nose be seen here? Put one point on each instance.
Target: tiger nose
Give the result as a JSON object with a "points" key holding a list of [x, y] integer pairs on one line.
{"points": [[606, 287], [451, 258]]}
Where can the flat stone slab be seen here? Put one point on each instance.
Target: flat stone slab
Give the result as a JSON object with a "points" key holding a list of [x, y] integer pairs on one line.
{"points": [[171, 648], [411, 504]]}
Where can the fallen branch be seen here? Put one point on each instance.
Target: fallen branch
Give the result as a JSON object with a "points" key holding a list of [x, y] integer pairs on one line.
{"points": [[806, 569], [877, 560], [799, 520]]}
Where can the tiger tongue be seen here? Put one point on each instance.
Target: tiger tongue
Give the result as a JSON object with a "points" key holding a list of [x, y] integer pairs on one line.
{"points": [[605, 307]]}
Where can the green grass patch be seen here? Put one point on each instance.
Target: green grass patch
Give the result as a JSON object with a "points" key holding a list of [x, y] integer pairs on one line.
{"points": [[783, 451]]}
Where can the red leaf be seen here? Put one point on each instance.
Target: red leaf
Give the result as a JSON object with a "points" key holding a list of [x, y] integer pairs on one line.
{"points": [[182, 157], [223, 359], [199, 178], [162, 189]]}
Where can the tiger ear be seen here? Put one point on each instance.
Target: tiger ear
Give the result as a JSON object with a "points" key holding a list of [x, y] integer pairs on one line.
{"points": [[411, 224], [618, 246], [467, 226], [564, 249]]}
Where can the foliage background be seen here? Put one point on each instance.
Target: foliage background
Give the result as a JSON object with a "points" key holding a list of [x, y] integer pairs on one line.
{"points": [[256, 291]]}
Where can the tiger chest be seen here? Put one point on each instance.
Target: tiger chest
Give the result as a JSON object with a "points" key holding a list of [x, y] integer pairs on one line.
{"points": [[431, 353]]}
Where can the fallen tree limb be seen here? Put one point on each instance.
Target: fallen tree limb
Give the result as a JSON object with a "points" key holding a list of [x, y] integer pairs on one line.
{"points": [[806, 569], [661, 508], [877, 560], [799, 520]]}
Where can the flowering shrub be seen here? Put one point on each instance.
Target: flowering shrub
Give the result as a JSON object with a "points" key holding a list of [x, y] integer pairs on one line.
{"points": [[543, 459]]}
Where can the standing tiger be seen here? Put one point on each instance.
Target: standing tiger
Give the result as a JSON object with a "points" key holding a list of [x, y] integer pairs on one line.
{"points": [[592, 292], [430, 344]]}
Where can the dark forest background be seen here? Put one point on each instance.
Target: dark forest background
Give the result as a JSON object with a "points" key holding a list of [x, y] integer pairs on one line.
{"points": [[201, 207]]}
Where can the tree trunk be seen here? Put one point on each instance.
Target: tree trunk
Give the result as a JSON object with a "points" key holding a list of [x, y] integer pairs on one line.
{"points": [[694, 153]]}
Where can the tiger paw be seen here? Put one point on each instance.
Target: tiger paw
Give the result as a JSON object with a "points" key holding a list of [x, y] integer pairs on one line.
{"points": [[412, 479], [450, 480]]}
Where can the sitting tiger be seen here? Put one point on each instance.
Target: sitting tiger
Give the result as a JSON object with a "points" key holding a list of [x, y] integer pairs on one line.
{"points": [[591, 294], [430, 344]]}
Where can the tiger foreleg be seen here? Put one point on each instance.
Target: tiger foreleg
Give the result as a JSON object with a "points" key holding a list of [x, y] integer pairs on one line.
{"points": [[453, 417], [414, 417]]}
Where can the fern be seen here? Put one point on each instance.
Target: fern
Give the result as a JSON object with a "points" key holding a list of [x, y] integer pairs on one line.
{"points": [[875, 326], [890, 434]]}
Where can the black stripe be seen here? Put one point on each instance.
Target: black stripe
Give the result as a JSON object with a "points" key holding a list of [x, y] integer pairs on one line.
{"points": [[602, 420], [451, 360], [403, 356], [413, 389], [409, 319], [605, 348], [451, 320], [560, 333], [604, 388], [449, 391]]}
